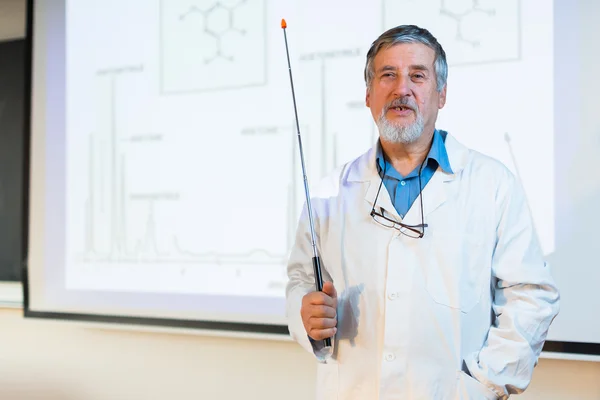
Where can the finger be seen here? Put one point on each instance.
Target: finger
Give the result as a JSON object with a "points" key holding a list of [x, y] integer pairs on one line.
{"points": [[320, 298], [329, 290], [320, 334], [322, 323], [322, 312]]}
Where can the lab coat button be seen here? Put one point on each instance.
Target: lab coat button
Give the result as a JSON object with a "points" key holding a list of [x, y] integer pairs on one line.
{"points": [[393, 296], [390, 357]]}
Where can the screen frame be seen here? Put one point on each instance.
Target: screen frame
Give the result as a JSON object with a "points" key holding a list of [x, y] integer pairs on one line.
{"points": [[551, 349]]}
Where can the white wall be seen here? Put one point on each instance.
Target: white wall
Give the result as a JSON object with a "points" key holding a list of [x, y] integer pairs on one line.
{"points": [[46, 360]]}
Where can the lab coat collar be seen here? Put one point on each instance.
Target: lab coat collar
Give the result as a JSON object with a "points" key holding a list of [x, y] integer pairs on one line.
{"points": [[364, 169]]}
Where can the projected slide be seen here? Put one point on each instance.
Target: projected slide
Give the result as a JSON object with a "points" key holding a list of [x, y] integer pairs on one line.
{"points": [[473, 31], [211, 45], [182, 165]]}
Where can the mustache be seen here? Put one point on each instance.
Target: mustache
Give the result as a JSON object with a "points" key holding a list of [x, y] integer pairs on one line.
{"points": [[402, 101]]}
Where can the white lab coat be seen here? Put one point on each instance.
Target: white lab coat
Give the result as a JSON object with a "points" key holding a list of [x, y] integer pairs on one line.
{"points": [[474, 294]]}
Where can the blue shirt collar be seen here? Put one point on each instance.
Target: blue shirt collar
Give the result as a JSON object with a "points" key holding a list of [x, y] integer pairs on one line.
{"points": [[437, 154]]}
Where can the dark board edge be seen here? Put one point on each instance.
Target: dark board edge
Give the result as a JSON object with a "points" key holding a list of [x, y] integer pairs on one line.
{"points": [[27, 107]]}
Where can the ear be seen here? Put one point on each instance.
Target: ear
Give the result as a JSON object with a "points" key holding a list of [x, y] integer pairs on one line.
{"points": [[368, 98], [442, 99]]}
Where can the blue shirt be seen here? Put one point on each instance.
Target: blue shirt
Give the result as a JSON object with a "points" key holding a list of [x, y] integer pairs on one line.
{"points": [[404, 190]]}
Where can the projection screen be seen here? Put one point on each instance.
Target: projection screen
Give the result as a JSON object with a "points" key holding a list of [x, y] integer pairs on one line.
{"points": [[165, 182]]}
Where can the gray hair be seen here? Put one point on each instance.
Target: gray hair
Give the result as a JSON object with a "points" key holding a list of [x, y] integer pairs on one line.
{"points": [[408, 34]]}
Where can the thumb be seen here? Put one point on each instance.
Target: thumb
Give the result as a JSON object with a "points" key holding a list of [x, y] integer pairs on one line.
{"points": [[329, 290]]}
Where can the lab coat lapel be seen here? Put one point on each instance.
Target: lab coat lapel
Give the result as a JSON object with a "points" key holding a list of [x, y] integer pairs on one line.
{"points": [[365, 170], [434, 195], [383, 200]]}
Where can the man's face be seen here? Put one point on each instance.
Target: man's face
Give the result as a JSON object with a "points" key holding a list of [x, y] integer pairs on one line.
{"points": [[402, 96]]}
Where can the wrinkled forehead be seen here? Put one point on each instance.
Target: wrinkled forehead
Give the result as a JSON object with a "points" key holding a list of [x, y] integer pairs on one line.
{"points": [[405, 55]]}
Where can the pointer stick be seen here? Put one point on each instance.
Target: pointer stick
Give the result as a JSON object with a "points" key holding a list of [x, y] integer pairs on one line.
{"points": [[316, 259]]}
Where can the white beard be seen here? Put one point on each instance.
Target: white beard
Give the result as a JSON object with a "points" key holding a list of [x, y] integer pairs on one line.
{"points": [[396, 133]]}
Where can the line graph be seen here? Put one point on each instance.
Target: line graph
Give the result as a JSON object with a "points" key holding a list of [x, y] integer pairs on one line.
{"points": [[123, 226], [338, 121]]}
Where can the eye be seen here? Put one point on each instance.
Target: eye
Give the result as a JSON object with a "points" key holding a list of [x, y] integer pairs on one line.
{"points": [[419, 76]]}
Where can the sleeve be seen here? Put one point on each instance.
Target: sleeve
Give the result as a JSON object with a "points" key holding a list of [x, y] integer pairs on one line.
{"points": [[526, 299], [301, 281]]}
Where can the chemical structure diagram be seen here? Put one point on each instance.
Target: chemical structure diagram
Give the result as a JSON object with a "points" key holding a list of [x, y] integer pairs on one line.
{"points": [[459, 10], [218, 21]]}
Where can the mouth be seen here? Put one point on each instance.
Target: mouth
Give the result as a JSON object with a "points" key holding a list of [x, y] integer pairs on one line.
{"points": [[401, 110]]}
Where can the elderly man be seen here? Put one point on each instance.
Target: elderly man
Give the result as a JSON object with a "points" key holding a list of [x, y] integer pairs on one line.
{"points": [[435, 284]]}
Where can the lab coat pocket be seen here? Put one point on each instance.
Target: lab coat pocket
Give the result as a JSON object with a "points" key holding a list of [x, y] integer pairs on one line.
{"points": [[455, 270], [327, 380], [469, 388]]}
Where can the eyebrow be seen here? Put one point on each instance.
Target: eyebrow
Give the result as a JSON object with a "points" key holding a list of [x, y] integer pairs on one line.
{"points": [[418, 67]]}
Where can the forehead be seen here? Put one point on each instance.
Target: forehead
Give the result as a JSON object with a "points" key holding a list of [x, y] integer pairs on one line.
{"points": [[404, 55]]}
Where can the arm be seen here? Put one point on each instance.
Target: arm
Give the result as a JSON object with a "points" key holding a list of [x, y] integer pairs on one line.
{"points": [[526, 299]]}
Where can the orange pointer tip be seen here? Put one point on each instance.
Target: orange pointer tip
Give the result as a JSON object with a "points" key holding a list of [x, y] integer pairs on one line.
{"points": [[283, 24]]}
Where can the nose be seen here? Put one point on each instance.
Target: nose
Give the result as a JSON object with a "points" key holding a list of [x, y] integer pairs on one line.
{"points": [[402, 88]]}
